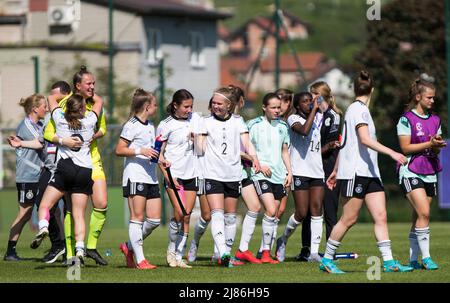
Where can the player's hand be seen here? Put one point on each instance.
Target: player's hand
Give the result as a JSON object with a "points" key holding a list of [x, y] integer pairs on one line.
{"points": [[331, 181], [266, 171], [72, 142], [149, 153], [164, 163], [399, 158], [14, 141], [177, 185], [437, 142], [288, 180], [255, 164], [333, 144]]}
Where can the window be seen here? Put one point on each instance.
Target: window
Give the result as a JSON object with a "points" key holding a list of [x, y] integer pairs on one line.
{"points": [[154, 53], [197, 56]]}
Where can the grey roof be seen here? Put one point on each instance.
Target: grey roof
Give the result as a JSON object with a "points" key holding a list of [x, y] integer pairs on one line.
{"points": [[164, 8]]}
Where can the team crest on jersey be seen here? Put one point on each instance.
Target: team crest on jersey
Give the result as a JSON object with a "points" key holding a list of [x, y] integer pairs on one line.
{"points": [[140, 187], [419, 128], [327, 121], [414, 181], [208, 186], [30, 194], [359, 189], [264, 186], [298, 182]]}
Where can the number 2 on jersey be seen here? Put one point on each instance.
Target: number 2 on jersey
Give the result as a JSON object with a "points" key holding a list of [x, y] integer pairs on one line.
{"points": [[224, 146]]}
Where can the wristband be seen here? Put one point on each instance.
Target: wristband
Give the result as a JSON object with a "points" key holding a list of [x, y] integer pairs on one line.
{"points": [[60, 141], [137, 151]]}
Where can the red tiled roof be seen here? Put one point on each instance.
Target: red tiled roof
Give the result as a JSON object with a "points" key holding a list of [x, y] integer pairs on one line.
{"points": [[309, 61]]}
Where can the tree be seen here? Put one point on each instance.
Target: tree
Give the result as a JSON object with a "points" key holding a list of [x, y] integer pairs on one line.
{"points": [[408, 40]]}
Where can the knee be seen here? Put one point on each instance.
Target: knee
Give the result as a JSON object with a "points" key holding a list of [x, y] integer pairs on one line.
{"points": [[299, 216], [206, 217], [230, 219], [350, 221], [423, 216], [255, 208]]}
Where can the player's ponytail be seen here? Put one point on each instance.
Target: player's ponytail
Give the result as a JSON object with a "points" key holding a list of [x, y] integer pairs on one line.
{"points": [[74, 111], [140, 98], [363, 84], [237, 97], [178, 97], [31, 102]]}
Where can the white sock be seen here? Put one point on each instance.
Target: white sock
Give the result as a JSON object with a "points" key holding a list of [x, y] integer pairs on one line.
{"points": [[413, 247], [385, 249], [423, 238], [332, 246], [218, 230], [149, 226], [248, 227], [274, 235], [180, 245], [230, 230], [135, 234], [200, 229], [291, 226], [268, 224], [316, 233], [79, 245], [174, 227], [43, 223]]}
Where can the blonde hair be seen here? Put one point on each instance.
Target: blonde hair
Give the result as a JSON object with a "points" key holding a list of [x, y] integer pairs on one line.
{"points": [[323, 89], [228, 95], [31, 102]]}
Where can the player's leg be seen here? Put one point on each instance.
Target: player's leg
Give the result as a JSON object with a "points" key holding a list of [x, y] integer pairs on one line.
{"points": [[251, 199], [79, 203], [376, 205], [268, 225], [98, 216], [23, 216], [180, 246], [421, 204], [316, 194], [200, 227]]}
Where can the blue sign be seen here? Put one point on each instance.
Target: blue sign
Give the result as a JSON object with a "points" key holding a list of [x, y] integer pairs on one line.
{"points": [[444, 177]]}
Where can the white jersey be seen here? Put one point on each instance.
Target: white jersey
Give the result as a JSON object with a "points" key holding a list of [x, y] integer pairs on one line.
{"points": [[305, 151], [356, 158], [81, 157], [222, 160], [198, 160], [139, 168], [179, 151]]}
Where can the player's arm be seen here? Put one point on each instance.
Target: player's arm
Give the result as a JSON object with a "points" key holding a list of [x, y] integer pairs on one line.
{"points": [[251, 151], [332, 181], [287, 163], [364, 137], [123, 150], [436, 142], [303, 129], [101, 126], [16, 142]]}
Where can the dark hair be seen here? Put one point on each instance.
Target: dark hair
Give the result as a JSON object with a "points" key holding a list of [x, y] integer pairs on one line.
{"points": [[78, 77], [63, 86], [140, 97], [178, 97], [298, 97], [73, 112], [269, 96], [31, 102], [286, 95], [418, 86], [363, 84]]}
